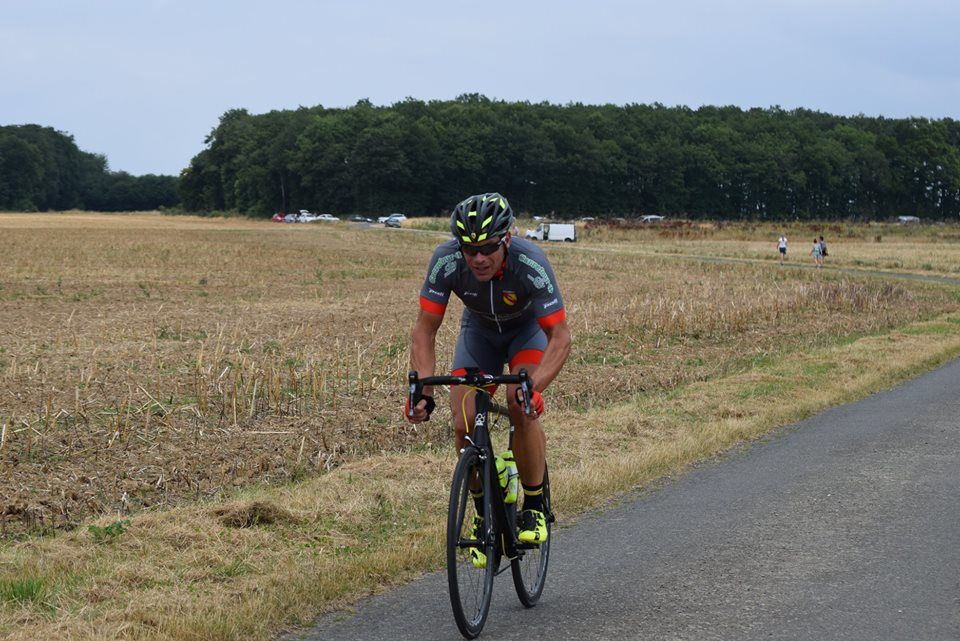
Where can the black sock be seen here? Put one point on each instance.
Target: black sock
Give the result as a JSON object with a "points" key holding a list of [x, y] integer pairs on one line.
{"points": [[533, 497]]}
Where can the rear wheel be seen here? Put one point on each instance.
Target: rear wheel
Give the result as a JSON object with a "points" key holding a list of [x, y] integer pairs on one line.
{"points": [[530, 570], [470, 586]]}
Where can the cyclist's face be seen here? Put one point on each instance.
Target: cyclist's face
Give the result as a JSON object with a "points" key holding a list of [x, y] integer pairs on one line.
{"points": [[485, 267]]}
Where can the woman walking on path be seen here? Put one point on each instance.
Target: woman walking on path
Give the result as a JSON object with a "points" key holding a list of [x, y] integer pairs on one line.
{"points": [[782, 247], [823, 250], [815, 252]]}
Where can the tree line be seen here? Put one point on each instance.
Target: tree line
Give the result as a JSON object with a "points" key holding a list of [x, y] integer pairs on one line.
{"points": [[42, 169], [566, 160], [604, 160]]}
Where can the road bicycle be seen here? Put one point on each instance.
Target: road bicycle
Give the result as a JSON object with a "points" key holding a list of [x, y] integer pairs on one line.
{"points": [[476, 548]]}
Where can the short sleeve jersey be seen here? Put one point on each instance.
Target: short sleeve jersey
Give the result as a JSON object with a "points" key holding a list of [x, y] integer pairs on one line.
{"points": [[525, 290]]}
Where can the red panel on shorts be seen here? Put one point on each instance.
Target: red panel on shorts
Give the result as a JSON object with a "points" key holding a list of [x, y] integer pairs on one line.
{"points": [[526, 357]]}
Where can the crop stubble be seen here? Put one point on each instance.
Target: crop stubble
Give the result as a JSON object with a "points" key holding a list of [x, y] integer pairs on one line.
{"points": [[148, 361]]}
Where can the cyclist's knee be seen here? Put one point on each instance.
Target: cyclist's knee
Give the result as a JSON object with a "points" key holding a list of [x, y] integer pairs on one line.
{"points": [[512, 404], [522, 422], [517, 417]]}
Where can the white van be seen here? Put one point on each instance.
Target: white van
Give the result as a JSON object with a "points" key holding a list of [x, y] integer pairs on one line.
{"points": [[553, 231]]}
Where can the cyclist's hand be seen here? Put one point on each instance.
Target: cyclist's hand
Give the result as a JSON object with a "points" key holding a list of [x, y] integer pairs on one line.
{"points": [[422, 410], [536, 402]]}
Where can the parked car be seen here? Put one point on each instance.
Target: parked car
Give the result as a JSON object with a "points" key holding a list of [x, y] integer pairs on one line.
{"points": [[327, 217], [383, 219], [290, 218], [278, 217], [307, 217], [357, 218], [394, 220], [651, 218]]}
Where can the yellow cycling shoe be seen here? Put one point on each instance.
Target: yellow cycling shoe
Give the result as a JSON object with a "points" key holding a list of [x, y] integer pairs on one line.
{"points": [[533, 527], [478, 558]]}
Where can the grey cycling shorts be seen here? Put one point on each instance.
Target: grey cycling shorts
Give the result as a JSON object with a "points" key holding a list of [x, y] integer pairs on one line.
{"points": [[479, 346]]}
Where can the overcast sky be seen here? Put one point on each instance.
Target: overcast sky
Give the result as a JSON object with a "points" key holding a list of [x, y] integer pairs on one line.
{"points": [[144, 81]]}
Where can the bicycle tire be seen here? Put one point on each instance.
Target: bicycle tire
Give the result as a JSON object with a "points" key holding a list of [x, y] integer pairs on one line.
{"points": [[530, 571], [470, 587]]}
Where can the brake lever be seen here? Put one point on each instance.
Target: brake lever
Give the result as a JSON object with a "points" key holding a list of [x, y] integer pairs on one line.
{"points": [[414, 394], [526, 388]]}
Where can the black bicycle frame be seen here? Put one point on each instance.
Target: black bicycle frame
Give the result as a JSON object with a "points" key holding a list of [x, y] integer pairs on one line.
{"points": [[504, 520]]}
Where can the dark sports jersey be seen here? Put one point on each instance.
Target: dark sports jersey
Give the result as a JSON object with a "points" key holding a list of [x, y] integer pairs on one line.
{"points": [[526, 288]]}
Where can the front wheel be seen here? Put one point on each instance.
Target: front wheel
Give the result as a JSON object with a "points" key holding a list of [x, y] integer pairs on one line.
{"points": [[530, 570], [470, 546]]}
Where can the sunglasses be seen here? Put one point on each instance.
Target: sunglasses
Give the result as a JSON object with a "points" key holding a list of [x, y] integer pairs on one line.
{"points": [[486, 250]]}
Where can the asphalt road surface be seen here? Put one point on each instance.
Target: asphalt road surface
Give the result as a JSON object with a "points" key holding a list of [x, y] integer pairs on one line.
{"points": [[844, 526]]}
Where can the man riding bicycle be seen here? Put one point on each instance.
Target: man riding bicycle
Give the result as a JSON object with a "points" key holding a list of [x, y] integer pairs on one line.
{"points": [[513, 315]]}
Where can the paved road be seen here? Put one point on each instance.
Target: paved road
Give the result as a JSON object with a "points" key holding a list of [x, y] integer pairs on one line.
{"points": [[844, 526]]}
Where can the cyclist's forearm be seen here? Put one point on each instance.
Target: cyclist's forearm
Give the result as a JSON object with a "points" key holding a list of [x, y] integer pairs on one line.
{"points": [[423, 360], [554, 357], [423, 354]]}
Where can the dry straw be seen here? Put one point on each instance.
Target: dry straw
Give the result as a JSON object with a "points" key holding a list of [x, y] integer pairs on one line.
{"points": [[222, 355]]}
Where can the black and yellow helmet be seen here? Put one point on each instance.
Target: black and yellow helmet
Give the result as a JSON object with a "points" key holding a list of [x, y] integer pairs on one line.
{"points": [[481, 217]]}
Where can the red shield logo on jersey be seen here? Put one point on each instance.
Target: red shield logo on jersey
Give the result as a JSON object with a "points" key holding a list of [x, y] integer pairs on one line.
{"points": [[510, 298]]}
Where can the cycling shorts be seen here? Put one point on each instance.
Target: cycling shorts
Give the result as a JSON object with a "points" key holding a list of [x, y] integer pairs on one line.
{"points": [[489, 350]]}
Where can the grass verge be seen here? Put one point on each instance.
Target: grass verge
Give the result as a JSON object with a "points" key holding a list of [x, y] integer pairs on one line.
{"points": [[274, 557]]}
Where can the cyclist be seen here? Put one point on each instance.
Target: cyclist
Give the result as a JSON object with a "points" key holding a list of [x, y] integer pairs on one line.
{"points": [[513, 315]]}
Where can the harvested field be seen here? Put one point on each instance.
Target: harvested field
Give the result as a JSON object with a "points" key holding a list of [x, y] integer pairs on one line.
{"points": [[921, 249], [149, 361]]}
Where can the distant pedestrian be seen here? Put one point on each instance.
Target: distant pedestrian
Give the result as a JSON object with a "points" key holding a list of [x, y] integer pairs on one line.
{"points": [[815, 252], [782, 247], [823, 250]]}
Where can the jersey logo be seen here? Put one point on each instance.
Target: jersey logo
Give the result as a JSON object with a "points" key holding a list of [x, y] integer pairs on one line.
{"points": [[448, 263], [540, 281], [510, 298]]}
